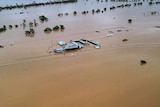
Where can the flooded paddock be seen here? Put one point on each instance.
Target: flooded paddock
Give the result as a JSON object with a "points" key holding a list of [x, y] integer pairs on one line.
{"points": [[32, 75]]}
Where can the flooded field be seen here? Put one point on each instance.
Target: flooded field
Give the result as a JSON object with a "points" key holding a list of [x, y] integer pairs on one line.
{"points": [[33, 75]]}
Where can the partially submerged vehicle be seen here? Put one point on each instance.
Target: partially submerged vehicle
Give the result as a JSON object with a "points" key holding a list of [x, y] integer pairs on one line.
{"points": [[72, 47], [59, 50], [67, 47]]}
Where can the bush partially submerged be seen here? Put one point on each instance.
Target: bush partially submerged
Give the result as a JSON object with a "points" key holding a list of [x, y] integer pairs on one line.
{"points": [[43, 18], [47, 30], [56, 28], [30, 33], [2, 29]]}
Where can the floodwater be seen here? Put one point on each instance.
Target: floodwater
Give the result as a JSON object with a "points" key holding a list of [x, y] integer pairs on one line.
{"points": [[32, 75]]}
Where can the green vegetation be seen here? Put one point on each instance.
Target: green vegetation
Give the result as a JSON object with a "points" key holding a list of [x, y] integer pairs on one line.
{"points": [[16, 26], [56, 28], [2, 29], [129, 20], [30, 33], [74, 13], [43, 18], [10, 26], [47, 30]]}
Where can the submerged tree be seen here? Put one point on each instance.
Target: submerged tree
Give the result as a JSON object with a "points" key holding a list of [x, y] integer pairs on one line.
{"points": [[2, 29], [129, 20], [30, 33], [10, 26], [56, 28], [47, 30], [74, 13], [93, 11], [43, 18], [62, 27], [16, 26]]}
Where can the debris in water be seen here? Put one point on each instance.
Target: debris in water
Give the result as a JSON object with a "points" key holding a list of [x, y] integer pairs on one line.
{"points": [[125, 40], [143, 62]]}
